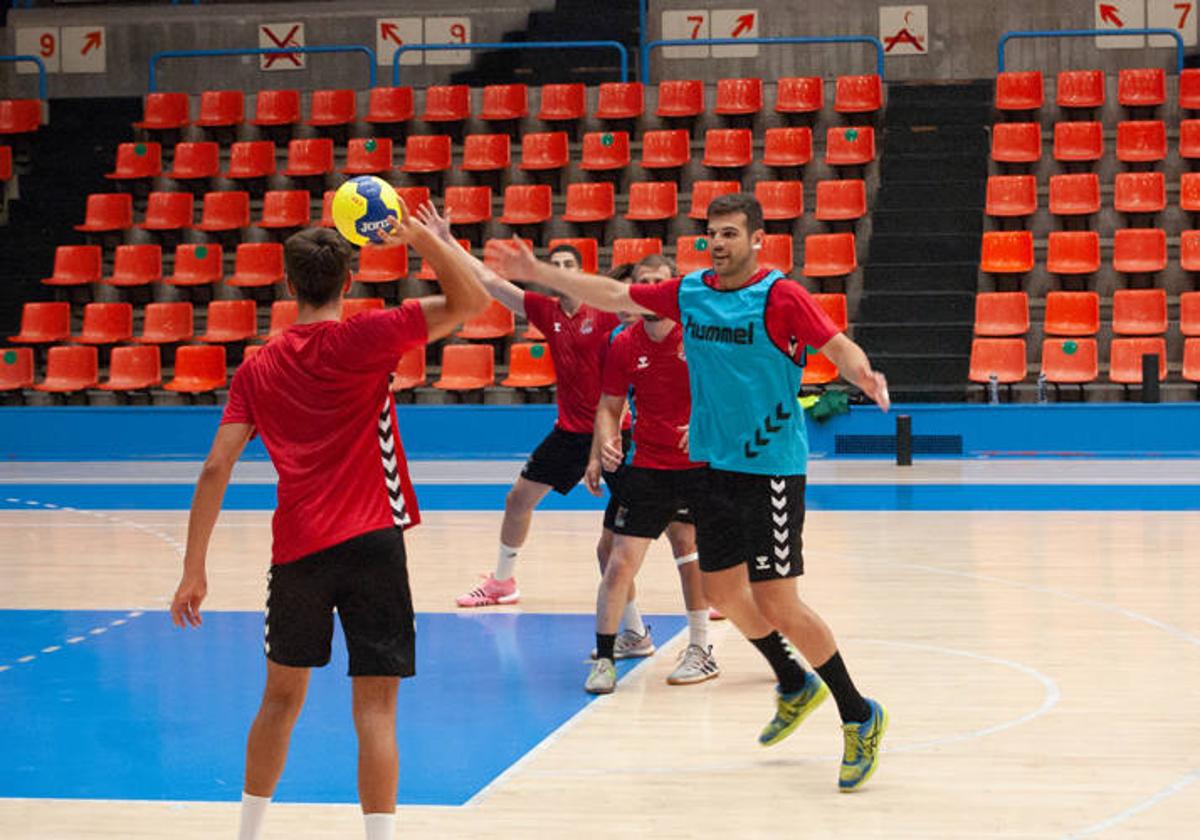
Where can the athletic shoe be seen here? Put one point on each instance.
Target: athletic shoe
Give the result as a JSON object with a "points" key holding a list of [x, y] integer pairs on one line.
{"points": [[861, 755], [602, 679], [631, 645], [696, 664], [715, 615], [792, 709], [490, 593]]}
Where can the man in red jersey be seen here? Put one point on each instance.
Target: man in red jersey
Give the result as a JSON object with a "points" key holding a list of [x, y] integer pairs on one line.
{"points": [[318, 396]]}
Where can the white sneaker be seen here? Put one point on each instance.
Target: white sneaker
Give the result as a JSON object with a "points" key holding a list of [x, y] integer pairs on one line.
{"points": [[631, 645], [602, 679], [696, 665]]}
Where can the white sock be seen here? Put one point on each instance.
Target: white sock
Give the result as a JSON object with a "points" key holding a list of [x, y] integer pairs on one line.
{"points": [[698, 627], [506, 560], [632, 619], [254, 809], [380, 826]]}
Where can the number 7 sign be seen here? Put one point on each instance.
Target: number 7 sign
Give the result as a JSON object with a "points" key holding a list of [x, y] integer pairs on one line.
{"points": [[689, 25], [1171, 14]]}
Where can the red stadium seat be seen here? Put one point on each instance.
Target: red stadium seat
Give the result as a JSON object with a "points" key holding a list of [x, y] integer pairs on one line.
{"points": [[680, 98], [106, 323], [164, 111], [850, 146], [168, 211], [653, 201], [356, 306], [1007, 252], [486, 153], [466, 367], [1139, 250], [197, 265], [368, 156], [504, 102], [1011, 195], [1019, 91], [704, 192], [1139, 311], [413, 197], [410, 370], [590, 203], [469, 205], [1073, 252], [829, 255], [858, 94], [818, 370], [1125, 359], [1078, 141], [251, 159], [166, 323], [257, 264], [136, 161], [1016, 142], [776, 252], [1189, 313], [1189, 89], [1080, 89], [285, 209], [447, 103], [70, 369], [387, 105], [332, 107], [133, 369], [728, 148], [1075, 195], [198, 369], [1141, 141], [1140, 192], [605, 151], [313, 156], [1142, 87], [136, 265], [737, 97], [381, 264], [780, 200], [1189, 139], [529, 366], [283, 315], [527, 204], [835, 307], [1070, 361], [999, 314], [221, 108], [6, 163], [1191, 359], [224, 211], [276, 107], [841, 200], [1003, 358], [785, 147], [587, 247], [16, 369], [20, 116], [620, 101], [670, 149], [633, 250], [107, 212], [561, 103], [542, 151], [75, 265], [496, 321], [692, 254], [427, 153], [1072, 313], [230, 321], [43, 323], [799, 95], [195, 160]]}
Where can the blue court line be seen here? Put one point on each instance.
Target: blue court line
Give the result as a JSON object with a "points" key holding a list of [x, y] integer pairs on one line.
{"points": [[147, 711], [490, 497]]}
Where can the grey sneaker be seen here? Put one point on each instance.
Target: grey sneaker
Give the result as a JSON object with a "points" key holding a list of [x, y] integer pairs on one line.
{"points": [[632, 645], [602, 679], [696, 664]]}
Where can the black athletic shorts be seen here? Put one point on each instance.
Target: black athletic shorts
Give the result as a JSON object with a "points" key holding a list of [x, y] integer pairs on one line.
{"points": [[647, 500], [560, 460], [753, 519], [365, 579]]}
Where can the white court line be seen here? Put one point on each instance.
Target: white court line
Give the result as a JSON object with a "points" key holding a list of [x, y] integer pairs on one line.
{"points": [[1134, 810]]}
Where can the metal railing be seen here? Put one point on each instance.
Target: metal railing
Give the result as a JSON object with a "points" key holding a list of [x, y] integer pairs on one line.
{"points": [[648, 46], [41, 65], [339, 48], [1087, 33], [513, 45]]}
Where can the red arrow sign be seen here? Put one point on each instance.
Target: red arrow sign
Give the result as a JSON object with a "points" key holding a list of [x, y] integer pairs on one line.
{"points": [[744, 24], [389, 30], [92, 41], [1108, 14]]}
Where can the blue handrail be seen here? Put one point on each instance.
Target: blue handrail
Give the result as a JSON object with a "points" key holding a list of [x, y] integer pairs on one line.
{"points": [[358, 48], [41, 65], [721, 42], [513, 45], [1087, 33]]}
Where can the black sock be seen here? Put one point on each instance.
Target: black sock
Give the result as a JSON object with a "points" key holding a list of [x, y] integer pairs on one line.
{"points": [[604, 645], [851, 705], [787, 670]]}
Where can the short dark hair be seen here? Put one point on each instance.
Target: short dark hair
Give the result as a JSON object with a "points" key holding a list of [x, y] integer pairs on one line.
{"points": [[570, 249], [318, 262], [622, 271], [744, 203], [652, 261]]}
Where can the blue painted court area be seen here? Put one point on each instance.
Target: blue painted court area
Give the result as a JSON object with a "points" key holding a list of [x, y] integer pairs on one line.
{"points": [[142, 710]]}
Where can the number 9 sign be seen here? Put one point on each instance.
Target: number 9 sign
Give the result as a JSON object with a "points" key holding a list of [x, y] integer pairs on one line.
{"points": [[448, 30], [42, 41]]}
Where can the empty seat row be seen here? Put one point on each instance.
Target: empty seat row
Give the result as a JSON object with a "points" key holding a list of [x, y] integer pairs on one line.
{"points": [[1134, 312], [1138, 141], [1079, 194], [1135, 251], [1136, 88], [1075, 361], [222, 211], [198, 369]]}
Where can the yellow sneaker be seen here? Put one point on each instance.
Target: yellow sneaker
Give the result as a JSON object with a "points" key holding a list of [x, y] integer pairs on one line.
{"points": [[861, 754], [792, 709]]}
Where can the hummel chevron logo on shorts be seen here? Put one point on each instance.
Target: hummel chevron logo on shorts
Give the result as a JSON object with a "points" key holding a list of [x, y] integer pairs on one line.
{"points": [[391, 467], [782, 548]]}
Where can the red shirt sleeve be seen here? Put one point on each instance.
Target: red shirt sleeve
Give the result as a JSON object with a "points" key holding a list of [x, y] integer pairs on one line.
{"points": [[539, 311], [660, 298], [376, 340], [238, 409], [616, 367], [795, 320]]}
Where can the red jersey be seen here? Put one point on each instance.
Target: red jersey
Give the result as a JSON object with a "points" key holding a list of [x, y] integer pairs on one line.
{"points": [[578, 344], [661, 402], [318, 395], [793, 318]]}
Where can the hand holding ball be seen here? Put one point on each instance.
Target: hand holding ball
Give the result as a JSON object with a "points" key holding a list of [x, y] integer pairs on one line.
{"points": [[364, 208]]}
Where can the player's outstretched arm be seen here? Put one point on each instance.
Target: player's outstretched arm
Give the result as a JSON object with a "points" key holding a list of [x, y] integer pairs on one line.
{"points": [[856, 369], [230, 440], [512, 297], [516, 261]]}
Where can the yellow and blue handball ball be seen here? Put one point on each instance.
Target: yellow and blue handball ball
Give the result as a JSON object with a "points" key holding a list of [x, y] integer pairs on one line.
{"points": [[363, 208]]}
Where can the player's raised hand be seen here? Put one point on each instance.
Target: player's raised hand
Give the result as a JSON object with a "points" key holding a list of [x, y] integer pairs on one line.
{"points": [[512, 258], [438, 224], [185, 606], [612, 455], [875, 387], [404, 230], [592, 477]]}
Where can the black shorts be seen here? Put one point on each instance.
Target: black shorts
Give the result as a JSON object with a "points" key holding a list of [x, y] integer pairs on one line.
{"points": [[753, 519], [647, 500], [560, 460], [365, 579]]}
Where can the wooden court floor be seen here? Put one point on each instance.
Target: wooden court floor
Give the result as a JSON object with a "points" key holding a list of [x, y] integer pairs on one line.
{"points": [[1039, 668]]}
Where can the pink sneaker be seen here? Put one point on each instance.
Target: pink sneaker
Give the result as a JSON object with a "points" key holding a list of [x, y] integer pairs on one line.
{"points": [[490, 593], [715, 615]]}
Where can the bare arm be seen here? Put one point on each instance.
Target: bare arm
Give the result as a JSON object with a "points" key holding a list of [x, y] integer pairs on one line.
{"points": [[515, 260], [510, 296], [230, 440], [607, 427], [856, 369]]}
